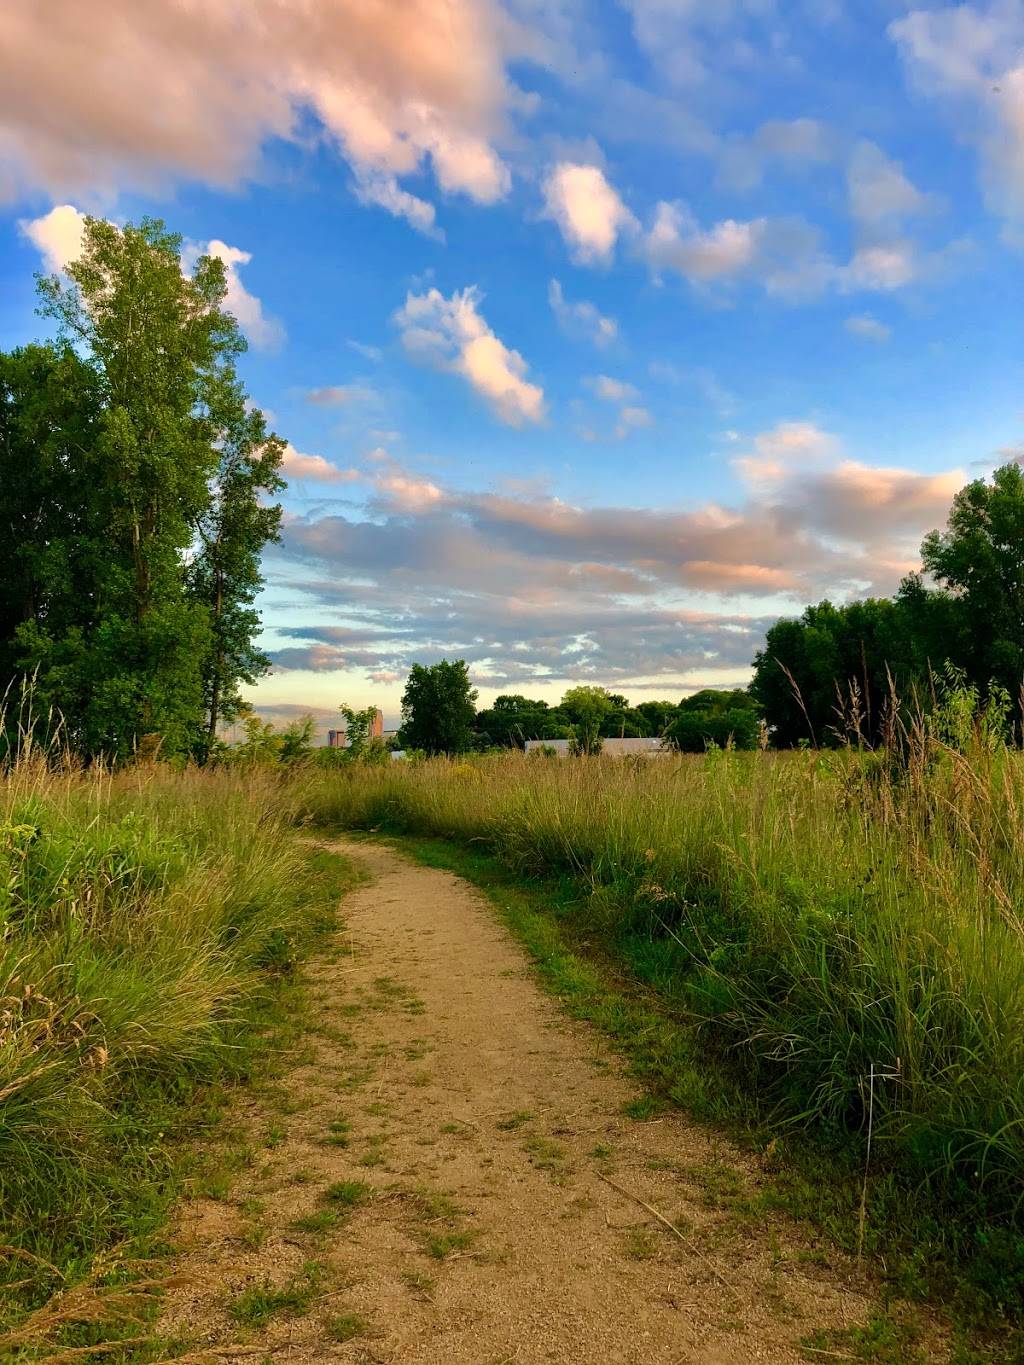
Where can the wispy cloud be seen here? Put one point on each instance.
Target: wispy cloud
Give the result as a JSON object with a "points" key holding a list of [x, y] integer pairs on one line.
{"points": [[452, 334], [514, 582], [868, 328], [581, 318]]}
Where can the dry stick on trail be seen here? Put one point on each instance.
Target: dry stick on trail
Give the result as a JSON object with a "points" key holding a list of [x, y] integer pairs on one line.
{"points": [[666, 1222]]}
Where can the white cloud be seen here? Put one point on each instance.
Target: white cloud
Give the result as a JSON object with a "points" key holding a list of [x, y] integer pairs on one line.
{"points": [[793, 144], [296, 465], [611, 390], [677, 242], [972, 60], [386, 193], [631, 415], [699, 377], [631, 418], [785, 449], [879, 190], [373, 353], [868, 328], [452, 334], [116, 93], [581, 318], [883, 267], [264, 332], [588, 211], [57, 235]]}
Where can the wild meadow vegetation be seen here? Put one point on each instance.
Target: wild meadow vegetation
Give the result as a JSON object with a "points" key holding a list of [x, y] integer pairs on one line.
{"points": [[839, 933], [152, 924]]}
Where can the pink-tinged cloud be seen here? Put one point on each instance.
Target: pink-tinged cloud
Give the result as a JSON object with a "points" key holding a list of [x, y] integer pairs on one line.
{"points": [[819, 525], [117, 93], [588, 210], [756, 578], [406, 493], [452, 334], [338, 395], [779, 452], [676, 242], [296, 465]]}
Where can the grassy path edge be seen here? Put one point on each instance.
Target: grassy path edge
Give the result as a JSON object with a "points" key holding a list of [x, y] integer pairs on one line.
{"points": [[804, 1180], [176, 1144]]}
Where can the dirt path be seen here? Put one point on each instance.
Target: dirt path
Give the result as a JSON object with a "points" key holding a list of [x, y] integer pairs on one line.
{"points": [[429, 1186]]}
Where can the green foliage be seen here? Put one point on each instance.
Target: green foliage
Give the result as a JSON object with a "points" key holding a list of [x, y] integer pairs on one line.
{"points": [[131, 487], [588, 710], [712, 719], [834, 674], [806, 917], [50, 408], [980, 559], [437, 708], [255, 1306], [513, 719], [585, 715], [361, 745], [264, 745], [151, 930]]}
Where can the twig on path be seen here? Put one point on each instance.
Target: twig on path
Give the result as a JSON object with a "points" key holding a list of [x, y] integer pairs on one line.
{"points": [[383, 1075], [667, 1222], [820, 1351], [213, 1353]]}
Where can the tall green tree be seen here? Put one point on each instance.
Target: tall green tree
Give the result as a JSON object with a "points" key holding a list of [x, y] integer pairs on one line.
{"points": [[225, 574], [138, 428], [979, 558], [49, 417], [438, 708], [588, 709]]}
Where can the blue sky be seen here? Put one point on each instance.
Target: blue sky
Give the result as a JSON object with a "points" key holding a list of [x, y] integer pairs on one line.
{"points": [[601, 333]]}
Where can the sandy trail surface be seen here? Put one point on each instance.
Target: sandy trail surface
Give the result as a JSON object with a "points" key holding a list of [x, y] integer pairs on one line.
{"points": [[431, 1180]]}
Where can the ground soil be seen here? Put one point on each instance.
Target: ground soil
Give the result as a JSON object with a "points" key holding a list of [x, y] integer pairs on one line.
{"points": [[502, 1219]]}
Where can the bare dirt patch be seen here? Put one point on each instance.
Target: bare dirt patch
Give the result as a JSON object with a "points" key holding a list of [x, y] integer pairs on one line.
{"points": [[450, 1173]]}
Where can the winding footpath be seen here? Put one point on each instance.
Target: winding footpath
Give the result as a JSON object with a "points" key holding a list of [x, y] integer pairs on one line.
{"points": [[448, 1174]]}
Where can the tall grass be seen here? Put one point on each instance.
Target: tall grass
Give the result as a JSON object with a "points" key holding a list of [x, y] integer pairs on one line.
{"points": [[145, 916], [816, 918]]}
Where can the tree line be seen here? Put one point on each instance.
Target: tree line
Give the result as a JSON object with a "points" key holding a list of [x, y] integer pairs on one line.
{"points": [[835, 674], [850, 671], [136, 497], [137, 493], [439, 715]]}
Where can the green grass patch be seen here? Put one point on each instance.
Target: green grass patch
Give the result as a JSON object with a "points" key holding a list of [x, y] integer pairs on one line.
{"points": [[348, 1193], [346, 1327], [255, 1306]]}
